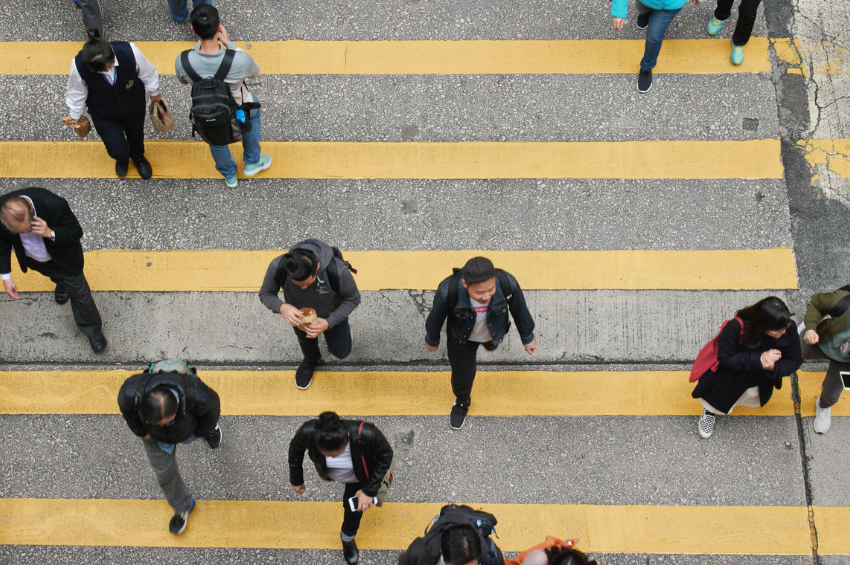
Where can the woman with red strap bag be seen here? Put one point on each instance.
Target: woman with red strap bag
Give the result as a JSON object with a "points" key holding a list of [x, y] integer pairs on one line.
{"points": [[754, 352]]}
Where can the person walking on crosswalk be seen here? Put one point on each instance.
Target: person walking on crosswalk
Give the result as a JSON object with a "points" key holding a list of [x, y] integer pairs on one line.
{"points": [[313, 275], [111, 79], [345, 451], [476, 301], [165, 405], [827, 336], [747, 12], [752, 358], [654, 16], [44, 233]]}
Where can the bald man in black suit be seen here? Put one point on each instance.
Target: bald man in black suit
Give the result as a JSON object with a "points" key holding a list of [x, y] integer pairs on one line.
{"points": [[45, 235]]}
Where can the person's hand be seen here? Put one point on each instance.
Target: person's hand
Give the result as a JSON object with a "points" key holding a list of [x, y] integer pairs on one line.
{"points": [[299, 489], [531, 347], [619, 23], [146, 436], [223, 36], [430, 347], [769, 358], [40, 227], [363, 501], [291, 314], [811, 337], [11, 289], [316, 328], [157, 98]]}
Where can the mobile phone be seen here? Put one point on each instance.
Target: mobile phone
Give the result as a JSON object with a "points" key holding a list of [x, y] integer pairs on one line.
{"points": [[352, 502], [845, 379]]}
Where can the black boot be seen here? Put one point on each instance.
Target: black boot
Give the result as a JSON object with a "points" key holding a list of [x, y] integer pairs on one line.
{"points": [[349, 551]]}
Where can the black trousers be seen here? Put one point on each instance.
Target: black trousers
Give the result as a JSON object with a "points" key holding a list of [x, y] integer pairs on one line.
{"points": [[351, 520], [747, 12], [85, 310], [463, 359], [123, 137], [338, 339]]}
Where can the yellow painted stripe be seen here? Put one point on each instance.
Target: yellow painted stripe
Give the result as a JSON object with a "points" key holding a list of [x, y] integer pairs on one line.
{"points": [[401, 393], [755, 159], [694, 56], [831, 523], [243, 271], [755, 530], [810, 388]]}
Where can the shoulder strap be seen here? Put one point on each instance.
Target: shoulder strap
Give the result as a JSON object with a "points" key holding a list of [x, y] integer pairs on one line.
{"points": [[333, 275], [740, 321], [840, 307], [139, 395], [221, 74], [505, 283], [190, 72], [453, 282]]}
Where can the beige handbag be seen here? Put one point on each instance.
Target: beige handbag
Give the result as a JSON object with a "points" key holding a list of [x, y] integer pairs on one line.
{"points": [[160, 115]]}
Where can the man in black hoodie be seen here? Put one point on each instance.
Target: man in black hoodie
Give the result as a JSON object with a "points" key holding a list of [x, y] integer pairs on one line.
{"points": [[166, 405], [313, 275]]}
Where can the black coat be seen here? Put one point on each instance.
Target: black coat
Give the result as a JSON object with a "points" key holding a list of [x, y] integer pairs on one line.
{"points": [[740, 367], [371, 454], [198, 407], [66, 250]]}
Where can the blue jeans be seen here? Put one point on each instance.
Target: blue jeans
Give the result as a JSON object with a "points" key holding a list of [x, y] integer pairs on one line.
{"points": [[224, 162], [659, 20], [179, 9]]}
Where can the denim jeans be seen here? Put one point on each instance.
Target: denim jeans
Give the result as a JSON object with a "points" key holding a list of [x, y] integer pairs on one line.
{"points": [[179, 9], [659, 20], [224, 162], [338, 339]]}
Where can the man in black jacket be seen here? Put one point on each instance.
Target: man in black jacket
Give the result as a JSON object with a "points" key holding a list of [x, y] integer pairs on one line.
{"points": [[166, 405], [45, 235], [313, 275], [346, 451]]}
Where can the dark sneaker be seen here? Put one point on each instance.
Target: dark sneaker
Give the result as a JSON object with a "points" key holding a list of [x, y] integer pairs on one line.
{"points": [[643, 20], [62, 295], [121, 167], [214, 438], [349, 551], [490, 346], [179, 521], [304, 374], [144, 168], [644, 82], [98, 342], [458, 414]]}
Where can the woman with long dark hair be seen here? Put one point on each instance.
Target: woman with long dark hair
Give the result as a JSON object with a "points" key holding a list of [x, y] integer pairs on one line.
{"points": [[752, 361]]}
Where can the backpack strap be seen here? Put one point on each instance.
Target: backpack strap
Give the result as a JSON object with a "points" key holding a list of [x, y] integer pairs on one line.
{"points": [[221, 74], [190, 72], [505, 283], [454, 280], [840, 307], [740, 321], [142, 385]]}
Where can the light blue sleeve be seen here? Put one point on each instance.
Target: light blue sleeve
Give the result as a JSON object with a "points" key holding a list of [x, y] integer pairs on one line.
{"points": [[619, 8]]}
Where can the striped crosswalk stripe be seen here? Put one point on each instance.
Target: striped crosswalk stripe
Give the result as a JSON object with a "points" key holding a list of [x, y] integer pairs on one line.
{"points": [[692, 56]]}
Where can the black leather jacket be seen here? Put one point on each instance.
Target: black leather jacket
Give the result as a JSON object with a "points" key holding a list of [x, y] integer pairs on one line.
{"points": [[371, 454]]}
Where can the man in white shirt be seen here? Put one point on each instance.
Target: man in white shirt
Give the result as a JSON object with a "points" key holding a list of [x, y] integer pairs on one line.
{"points": [[111, 80]]}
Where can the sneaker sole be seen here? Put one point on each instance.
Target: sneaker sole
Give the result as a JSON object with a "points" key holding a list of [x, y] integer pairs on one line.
{"points": [[258, 170], [644, 91], [458, 428], [220, 439], [234, 185], [186, 521], [304, 387]]}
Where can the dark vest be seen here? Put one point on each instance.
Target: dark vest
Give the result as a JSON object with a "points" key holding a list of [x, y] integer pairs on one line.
{"points": [[109, 101]]}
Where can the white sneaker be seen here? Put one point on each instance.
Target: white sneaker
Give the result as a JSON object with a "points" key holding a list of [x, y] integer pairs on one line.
{"points": [[705, 426], [823, 418]]}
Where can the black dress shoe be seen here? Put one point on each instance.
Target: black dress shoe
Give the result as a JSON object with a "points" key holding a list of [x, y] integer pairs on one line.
{"points": [[144, 168], [61, 294], [121, 167], [349, 551], [98, 342]]}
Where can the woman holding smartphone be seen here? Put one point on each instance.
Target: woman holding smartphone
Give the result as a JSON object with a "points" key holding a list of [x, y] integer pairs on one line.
{"points": [[827, 336], [345, 451], [752, 361]]}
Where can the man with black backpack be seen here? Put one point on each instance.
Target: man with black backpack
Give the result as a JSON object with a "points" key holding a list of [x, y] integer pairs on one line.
{"points": [[165, 405], [224, 109], [476, 300], [458, 536], [313, 275]]}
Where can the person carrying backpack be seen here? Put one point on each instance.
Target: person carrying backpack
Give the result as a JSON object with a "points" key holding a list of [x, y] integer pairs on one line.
{"points": [[476, 301], [224, 109], [344, 451], [827, 336], [460, 535], [313, 275], [165, 405]]}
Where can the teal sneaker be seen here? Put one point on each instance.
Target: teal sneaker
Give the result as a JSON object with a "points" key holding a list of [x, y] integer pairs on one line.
{"points": [[232, 182], [254, 168], [737, 56], [714, 26]]}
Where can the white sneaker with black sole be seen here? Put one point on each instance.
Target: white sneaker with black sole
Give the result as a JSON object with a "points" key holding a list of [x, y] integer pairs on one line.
{"points": [[705, 426], [823, 418]]}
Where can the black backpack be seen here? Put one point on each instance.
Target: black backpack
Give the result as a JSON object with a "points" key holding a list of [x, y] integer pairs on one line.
{"points": [[280, 275], [453, 515], [213, 113], [457, 274], [181, 368]]}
